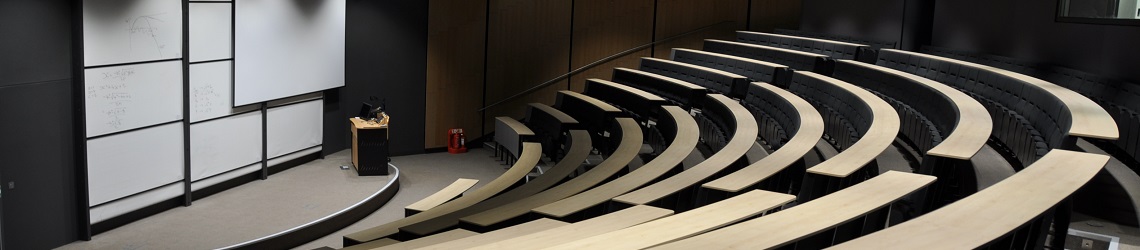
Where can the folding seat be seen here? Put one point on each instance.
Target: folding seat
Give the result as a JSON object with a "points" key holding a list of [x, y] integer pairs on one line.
{"points": [[1132, 142]]}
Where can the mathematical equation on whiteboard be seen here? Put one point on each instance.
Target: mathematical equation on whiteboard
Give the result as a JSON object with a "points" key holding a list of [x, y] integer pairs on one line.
{"points": [[143, 32], [203, 97], [125, 97], [126, 31], [114, 92]]}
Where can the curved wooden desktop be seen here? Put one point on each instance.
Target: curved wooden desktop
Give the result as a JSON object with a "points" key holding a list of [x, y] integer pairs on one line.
{"points": [[742, 140], [579, 149], [799, 222], [974, 123], [991, 213], [532, 227], [684, 142], [530, 156], [1089, 119], [583, 229], [631, 141], [884, 128], [682, 225], [455, 189], [802, 143]]}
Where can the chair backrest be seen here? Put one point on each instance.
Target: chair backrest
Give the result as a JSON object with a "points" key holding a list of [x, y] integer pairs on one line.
{"points": [[875, 44], [681, 93], [755, 70], [593, 114], [510, 134], [718, 81], [642, 105], [550, 126], [798, 60], [834, 49], [846, 115]]}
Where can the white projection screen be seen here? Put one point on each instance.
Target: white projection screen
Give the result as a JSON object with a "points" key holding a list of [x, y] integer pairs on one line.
{"points": [[287, 48]]}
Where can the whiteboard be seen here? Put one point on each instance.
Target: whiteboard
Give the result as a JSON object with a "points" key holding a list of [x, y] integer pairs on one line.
{"points": [[132, 96], [211, 26], [125, 164], [287, 48], [211, 90], [124, 31], [294, 127], [224, 144], [123, 206]]}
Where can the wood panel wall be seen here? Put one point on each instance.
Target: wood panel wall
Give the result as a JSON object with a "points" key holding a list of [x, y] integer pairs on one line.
{"points": [[456, 35], [529, 42], [605, 27]]}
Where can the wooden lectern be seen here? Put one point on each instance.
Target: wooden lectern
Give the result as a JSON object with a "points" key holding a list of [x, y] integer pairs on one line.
{"points": [[369, 147]]}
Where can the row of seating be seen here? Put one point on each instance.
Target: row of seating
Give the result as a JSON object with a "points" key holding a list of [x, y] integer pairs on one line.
{"points": [[511, 139], [792, 58], [1030, 116], [791, 127], [721, 82], [675, 124], [645, 230], [625, 133], [630, 143], [856, 122], [683, 94], [875, 44], [836, 215], [1120, 98], [531, 153], [755, 70], [574, 149], [932, 117], [968, 130], [1011, 214], [834, 49], [444, 215]]}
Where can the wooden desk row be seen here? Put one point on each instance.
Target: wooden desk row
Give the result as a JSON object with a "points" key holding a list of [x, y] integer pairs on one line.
{"points": [[831, 216], [526, 162]]}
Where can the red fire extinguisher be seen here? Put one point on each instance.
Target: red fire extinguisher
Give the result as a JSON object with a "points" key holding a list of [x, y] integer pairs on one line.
{"points": [[456, 141]]}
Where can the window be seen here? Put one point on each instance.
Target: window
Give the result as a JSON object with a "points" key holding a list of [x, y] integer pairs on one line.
{"points": [[1114, 12]]}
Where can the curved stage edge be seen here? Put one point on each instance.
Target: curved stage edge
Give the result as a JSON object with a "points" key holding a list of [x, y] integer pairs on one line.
{"points": [[322, 227]]}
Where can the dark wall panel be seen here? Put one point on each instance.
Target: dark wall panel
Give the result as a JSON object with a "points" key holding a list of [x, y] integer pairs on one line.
{"points": [[37, 146], [676, 17], [456, 43], [871, 19], [37, 140], [1026, 29], [386, 43], [768, 15], [35, 45]]}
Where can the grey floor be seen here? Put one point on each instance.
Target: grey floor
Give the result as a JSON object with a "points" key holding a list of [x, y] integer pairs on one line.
{"points": [[291, 198]]}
